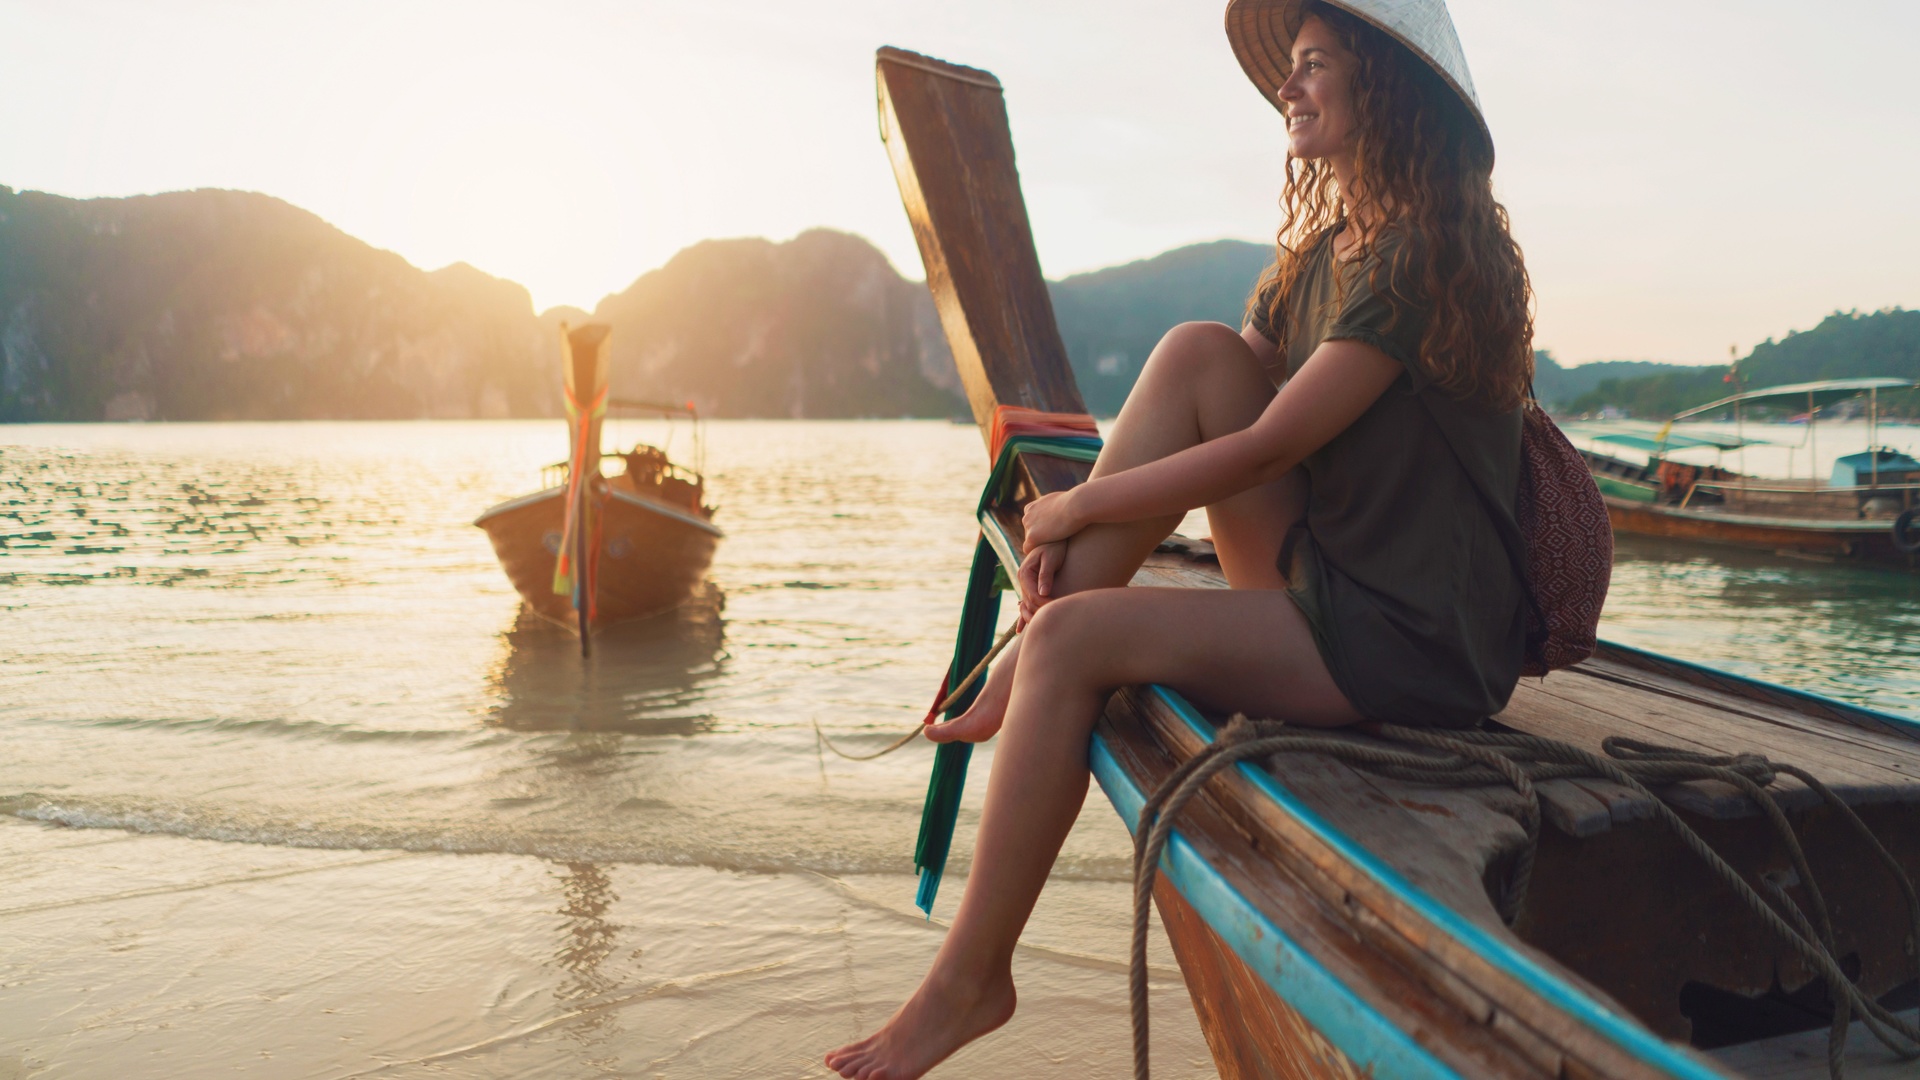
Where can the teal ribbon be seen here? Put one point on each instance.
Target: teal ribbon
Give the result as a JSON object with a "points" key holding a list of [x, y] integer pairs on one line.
{"points": [[979, 612]]}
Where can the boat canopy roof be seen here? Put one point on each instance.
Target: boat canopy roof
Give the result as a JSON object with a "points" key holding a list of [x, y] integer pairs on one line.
{"points": [[1655, 445], [1825, 389]]}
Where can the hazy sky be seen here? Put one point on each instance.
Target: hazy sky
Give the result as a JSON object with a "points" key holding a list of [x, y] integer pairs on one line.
{"points": [[1683, 175]]}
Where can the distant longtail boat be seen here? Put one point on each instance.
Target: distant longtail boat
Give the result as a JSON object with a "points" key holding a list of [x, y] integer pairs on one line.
{"points": [[1868, 508], [595, 549]]}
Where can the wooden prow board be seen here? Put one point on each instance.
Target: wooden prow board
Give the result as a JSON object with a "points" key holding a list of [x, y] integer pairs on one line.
{"points": [[584, 362], [945, 128], [584, 353]]}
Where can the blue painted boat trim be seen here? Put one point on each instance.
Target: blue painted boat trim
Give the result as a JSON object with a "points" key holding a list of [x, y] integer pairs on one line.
{"points": [[1348, 1022], [1859, 715], [1627, 1033]]}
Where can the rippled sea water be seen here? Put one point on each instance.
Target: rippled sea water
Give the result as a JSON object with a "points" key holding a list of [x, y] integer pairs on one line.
{"points": [[291, 788]]}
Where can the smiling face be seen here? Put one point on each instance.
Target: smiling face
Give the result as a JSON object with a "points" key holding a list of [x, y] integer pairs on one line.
{"points": [[1318, 96]]}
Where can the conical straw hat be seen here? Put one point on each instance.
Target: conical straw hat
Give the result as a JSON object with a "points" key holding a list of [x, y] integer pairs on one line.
{"points": [[1262, 32]]}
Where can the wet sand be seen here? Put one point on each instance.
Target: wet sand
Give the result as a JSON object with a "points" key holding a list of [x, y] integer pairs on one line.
{"points": [[292, 790], [136, 955]]}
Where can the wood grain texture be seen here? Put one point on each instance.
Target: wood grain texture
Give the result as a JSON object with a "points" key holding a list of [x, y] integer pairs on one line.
{"points": [[1253, 1034], [947, 136], [1524, 1025], [1616, 901], [1436, 1011], [1804, 1057]]}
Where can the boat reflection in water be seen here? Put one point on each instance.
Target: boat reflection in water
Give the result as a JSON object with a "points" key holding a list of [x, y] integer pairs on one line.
{"points": [[645, 677]]}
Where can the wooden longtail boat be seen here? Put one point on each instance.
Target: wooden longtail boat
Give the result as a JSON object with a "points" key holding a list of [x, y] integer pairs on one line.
{"points": [[1869, 508], [1333, 923], [635, 543]]}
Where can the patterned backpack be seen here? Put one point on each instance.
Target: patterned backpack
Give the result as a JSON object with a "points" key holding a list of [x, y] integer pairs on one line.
{"points": [[1564, 550], [1569, 546]]}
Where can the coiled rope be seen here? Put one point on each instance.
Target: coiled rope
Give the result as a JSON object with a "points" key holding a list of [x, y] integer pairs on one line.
{"points": [[1480, 759]]}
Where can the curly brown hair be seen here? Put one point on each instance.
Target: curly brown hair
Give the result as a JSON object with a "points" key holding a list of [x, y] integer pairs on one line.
{"points": [[1423, 172]]}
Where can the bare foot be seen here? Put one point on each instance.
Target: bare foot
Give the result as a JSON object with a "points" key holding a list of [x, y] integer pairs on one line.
{"points": [[983, 718], [935, 1022]]}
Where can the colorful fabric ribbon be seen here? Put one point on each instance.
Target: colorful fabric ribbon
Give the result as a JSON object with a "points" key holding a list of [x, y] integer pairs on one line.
{"points": [[580, 516], [1015, 432]]}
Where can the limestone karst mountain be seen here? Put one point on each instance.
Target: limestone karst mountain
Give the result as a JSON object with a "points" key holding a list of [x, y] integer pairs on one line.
{"points": [[207, 305], [819, 326]]}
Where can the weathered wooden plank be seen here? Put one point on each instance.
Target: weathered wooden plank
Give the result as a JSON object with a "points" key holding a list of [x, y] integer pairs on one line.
{"points": [[1570, 722], [1254, 1035], [1044, 474], [1804, 1057], [1405, 829], [1759, 721], [1759, 703], [1417, 1002], [946, 132], [1586, 724], [1572, 809], [1841, 764], [1433, 956], [1806, 707]]}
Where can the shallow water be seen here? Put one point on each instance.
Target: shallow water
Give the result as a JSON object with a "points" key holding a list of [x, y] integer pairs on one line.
{"points": [[291, 788]]}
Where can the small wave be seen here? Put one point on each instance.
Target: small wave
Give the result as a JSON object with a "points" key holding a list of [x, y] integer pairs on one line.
{"points": [[279, 726], [620, 841]]}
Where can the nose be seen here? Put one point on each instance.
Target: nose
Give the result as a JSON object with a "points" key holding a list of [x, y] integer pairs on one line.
{"points": [[1290, 90]]}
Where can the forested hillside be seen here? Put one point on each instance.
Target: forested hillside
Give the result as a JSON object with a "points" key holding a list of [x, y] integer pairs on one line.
{"points": [[1558, 386], [820, 326], [1846, 344], [209, 305], [1111, 319], [214, 305]]}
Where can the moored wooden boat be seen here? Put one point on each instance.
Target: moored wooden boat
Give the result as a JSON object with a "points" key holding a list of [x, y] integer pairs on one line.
{"points": [[1869, 509], [645, 537], [1333, 923]]}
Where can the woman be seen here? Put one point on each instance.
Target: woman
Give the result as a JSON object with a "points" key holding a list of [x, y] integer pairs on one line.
{"points": [[1356, 446]]}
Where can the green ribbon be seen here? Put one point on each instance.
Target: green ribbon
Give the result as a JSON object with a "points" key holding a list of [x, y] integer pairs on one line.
{"points": [[979, 612]]}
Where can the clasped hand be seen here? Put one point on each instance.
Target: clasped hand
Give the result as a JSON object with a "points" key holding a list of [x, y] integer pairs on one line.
{"points": [[1050, 521]]}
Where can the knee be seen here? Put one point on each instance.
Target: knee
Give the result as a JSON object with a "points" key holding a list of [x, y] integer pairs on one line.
{"points": [[1195, 345], [1063, 626]]}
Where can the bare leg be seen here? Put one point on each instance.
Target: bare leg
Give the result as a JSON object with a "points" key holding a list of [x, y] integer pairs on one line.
{"points": [[1201, 382], [1246, 650]]}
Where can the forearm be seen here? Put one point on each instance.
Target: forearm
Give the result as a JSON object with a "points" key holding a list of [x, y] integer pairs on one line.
{"points": [[1336, 384], [1197, 476]]}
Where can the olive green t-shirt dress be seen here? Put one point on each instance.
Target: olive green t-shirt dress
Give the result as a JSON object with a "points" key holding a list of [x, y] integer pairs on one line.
{"points": [[1398, 563]]}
